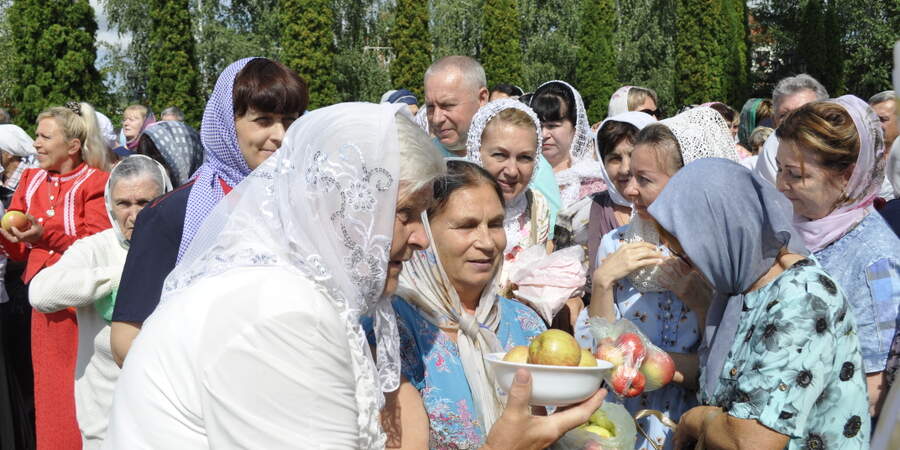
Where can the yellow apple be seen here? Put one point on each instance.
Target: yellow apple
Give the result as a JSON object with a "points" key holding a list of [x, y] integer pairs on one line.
{"points": [[518, 354], [554, 348]]}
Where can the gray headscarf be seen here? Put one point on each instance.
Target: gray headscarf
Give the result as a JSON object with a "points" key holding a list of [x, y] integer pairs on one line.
{"points": [[179, 146], [745, 224]]}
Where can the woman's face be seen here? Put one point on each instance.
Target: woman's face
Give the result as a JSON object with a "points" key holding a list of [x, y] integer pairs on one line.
{"points": [[558, 136], [53, 149], [259, 134], [129, 196], [648, 181], [409, 232], [131, 124], [618, 164], [509, 153], [469, 236], [815, 190]]}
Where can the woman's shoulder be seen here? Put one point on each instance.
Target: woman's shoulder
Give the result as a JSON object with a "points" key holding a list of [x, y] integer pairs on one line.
{"points": [[512, 311], [807, 279], [871, 240]]}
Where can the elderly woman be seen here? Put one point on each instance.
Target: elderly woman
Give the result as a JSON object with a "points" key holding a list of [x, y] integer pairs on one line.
{"points": [[255, 100], [135, 119], [631, 281], [783, 365], [225, 358], [176, 146], [63, 200], [831, 166], [504, 138], [86, 278]]}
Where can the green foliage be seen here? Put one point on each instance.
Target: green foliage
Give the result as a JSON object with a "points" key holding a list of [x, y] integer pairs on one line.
{"points": [[361, 75], [308, 46], [596, 70], [699, 62], [7, 58], [872, 28], [411, 44], [455, 27], [54, 56], [173, 77], [819, 50], [735, 52], [645, 39], [501, 53], [549, 38]]}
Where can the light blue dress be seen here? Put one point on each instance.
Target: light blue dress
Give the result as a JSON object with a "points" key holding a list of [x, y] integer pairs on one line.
{"points": [[669, 324], [866, 264], [430, 361], [795, 365]]}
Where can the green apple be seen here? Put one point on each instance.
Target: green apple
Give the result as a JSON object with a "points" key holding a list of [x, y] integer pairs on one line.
{"points": [[602, 432]]}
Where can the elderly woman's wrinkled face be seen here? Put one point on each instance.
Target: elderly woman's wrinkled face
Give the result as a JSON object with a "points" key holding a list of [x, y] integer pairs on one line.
{"points": [[129, 196], [53, 148], [509, 153], [813, 189], [469, 236], [131, 124], [649, 178], [409, 232]]}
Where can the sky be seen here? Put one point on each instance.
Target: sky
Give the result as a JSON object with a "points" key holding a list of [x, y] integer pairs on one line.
{"points": [[104, 34]]}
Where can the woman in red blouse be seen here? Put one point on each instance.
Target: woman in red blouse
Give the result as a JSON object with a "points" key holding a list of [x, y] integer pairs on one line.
{"points": [[63, 200]]}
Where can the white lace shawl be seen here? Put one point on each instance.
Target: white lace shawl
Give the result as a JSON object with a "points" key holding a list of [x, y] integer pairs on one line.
{"points": [[324, 205]]}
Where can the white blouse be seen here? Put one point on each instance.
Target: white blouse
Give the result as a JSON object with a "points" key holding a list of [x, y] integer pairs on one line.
{"points": [[255, 357]]}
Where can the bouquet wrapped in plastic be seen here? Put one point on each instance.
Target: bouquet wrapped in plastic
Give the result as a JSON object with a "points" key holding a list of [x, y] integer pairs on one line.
{"points": [[611, 427], [638, 365], [545, 281]]}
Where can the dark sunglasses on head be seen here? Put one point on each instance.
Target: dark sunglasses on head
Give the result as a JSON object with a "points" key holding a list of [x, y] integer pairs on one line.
{"points": [[653, 112]]}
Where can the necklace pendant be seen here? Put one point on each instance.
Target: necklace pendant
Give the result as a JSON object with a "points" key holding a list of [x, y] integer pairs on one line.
{"points": [[51, 213]]}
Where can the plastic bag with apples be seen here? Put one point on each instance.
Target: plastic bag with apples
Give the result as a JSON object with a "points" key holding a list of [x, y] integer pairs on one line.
{"points": [[611, 427], [638, 365]]}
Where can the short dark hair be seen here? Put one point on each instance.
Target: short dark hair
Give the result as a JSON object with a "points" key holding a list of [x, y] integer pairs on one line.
{"points": [[508, 89], [725, 111], [269, 86], [611, 133], [552, 102], [461, 174]]}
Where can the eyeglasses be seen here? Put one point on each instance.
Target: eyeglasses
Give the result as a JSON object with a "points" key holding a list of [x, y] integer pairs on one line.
{"points": [[653, 112]]}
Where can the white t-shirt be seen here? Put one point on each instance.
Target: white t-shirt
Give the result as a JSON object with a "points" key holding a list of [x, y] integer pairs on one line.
{"points": [[254, 357]]}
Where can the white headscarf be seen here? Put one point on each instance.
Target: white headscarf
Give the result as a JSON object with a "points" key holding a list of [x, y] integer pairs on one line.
{"points": [[639, 120], [892, 170], [618, 102], [107, 131], [324, 205], [518, 205], [16, 141], [701, 133], [133, 166]]}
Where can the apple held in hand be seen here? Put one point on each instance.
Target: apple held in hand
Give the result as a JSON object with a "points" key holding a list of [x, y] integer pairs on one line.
{"points": [[620, 384], [554, 348], [611, 354], [517, 354], [658, 369], [16, 219], [632, 345]]}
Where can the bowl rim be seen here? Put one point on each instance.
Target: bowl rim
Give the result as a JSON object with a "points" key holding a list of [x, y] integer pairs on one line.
{"points": [[497, 358]]}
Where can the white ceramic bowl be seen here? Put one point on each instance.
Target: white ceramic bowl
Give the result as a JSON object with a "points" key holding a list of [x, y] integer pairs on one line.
{"points": [[551, 385]]}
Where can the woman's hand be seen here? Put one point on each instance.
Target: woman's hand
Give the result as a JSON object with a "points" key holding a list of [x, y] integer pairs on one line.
{"points": [[628, 258], [518, 429], [687, 283], [31, 235], [691, 424]]}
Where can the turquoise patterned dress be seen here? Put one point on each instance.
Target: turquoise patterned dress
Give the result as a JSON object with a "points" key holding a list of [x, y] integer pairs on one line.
{"points": [[430, 361], [795, 365]]}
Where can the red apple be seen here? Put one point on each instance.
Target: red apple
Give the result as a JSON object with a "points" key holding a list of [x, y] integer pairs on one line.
{"points": [[658, 368], [611, 353], [632, 346], [620, 384], [15, 219]]}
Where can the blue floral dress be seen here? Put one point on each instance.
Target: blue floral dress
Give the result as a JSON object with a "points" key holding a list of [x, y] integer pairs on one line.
{"points": [[430, 361], [669, 325], [795, 365]]}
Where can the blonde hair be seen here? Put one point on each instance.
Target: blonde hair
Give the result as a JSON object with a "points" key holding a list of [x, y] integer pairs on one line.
{"points": [[758, 138], [82, 126], [140, 109], [511, 116], [637, 95]]}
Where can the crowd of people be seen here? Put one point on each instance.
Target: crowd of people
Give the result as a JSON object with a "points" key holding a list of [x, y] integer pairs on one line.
{"points": [[334, 278]]}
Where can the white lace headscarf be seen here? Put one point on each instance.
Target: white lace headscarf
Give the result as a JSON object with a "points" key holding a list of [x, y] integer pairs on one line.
{"points": [[323, 204], [636, 119], [585, 163], [518, 205], [701, 133]]}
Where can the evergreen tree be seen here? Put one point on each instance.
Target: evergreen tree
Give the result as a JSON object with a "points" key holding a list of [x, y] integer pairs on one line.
{"points": [[308, 46], [549, 39], [55, 53], [411, 44], [815, 54], [871, 29], [645, 38], [173, 78], [455, 27], [501, 54], [699, 60], [734, 45], [596, 74]]}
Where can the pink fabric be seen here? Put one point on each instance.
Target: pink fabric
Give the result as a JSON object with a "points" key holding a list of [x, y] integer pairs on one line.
{"points": [[864, 184], [545, 281]]}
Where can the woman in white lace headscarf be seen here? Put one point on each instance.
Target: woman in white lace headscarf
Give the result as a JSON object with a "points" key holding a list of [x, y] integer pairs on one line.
{"points": [[18, 154], [257, 342], [505, 139], [634, 278]]}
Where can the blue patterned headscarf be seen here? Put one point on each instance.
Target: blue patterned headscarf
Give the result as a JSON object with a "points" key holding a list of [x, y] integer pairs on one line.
{"points": [[179, 145], [223, 158]]}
